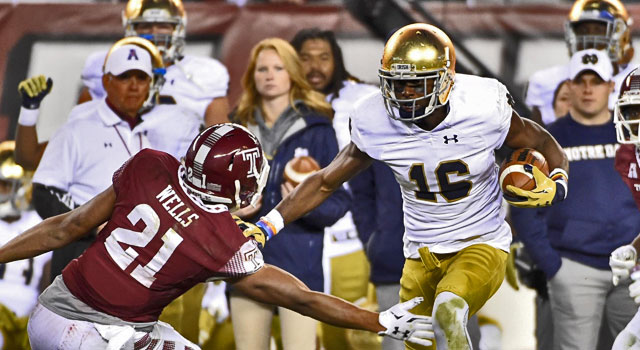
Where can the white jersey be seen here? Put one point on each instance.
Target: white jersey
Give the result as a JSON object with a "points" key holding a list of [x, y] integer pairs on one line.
{"points": [[448, 176], [543, 84], [192, 82], [94, 142], [19, 280]]}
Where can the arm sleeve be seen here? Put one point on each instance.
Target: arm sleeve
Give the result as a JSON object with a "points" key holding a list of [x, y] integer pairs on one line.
{"points": [[50, 201], [531, 228]]}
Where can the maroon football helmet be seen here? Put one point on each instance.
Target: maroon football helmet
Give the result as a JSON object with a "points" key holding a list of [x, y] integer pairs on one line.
{"points": [[627, 109], [225, 164]]}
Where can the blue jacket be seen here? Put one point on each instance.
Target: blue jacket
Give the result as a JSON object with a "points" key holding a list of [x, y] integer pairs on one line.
{"points": [[298, 247], [599, 213], [377, 213]]}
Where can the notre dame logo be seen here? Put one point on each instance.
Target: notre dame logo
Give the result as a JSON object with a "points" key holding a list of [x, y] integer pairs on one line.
{"points": [[589, 58]]}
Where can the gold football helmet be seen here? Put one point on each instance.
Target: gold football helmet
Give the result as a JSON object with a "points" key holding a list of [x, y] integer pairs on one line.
{"points": [[156, 62], [158, 11], [616, 39], [421, 55], [15, 183]]}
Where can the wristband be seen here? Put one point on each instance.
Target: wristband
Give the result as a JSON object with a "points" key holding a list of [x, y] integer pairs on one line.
{"points": [[562, 183], [28, 117], [275, 218], [271, 223], [267, 228]]}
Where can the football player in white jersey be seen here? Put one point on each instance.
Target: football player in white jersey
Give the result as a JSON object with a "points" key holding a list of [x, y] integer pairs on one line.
{"points": [[19, 280], [438, 132], [591, 24], [196, 84], [344, 261]]}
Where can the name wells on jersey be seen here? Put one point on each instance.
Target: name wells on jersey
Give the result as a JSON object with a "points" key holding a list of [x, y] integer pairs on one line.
{"points": [[176, 207]]}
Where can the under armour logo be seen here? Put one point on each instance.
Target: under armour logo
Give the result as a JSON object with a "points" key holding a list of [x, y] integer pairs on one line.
{"points": [[586, 59], [454, 138], [108, 144], [132, 54]]}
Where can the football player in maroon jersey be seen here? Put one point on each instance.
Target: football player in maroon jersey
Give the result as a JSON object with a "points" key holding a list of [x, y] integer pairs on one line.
{"points": [[623, 260], [167, 228]]}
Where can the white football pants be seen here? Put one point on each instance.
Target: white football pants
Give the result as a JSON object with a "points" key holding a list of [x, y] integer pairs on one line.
{"points": [[48, 330]]}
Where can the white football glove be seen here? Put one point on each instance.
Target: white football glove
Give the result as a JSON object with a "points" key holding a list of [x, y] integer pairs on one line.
{"points": [[634, 288], [215, 301], [402, 325], [622, 260]]}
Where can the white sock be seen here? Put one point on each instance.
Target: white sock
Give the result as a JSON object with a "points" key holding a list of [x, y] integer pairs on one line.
{"points": [[450, 315]]}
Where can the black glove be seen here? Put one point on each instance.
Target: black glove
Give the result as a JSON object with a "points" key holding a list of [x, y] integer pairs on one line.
{"points": [[33, 90]]}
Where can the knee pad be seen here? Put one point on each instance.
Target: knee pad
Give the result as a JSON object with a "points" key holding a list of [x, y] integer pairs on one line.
{"points": [[450, 314]]}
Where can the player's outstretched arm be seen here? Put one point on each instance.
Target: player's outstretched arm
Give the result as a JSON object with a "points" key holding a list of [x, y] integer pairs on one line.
{"points": [[319, 186], [525, 133], [272, 285], [60, 230]]}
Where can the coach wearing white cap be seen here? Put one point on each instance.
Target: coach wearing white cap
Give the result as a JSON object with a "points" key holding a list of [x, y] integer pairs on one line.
{"points": [[572, 242], [101, 135]]}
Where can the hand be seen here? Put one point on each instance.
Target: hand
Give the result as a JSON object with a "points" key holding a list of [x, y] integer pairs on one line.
{"points": [[634, 288], [402, 325], [250, 230], [33, 90], [622, 260], [544, 194]]}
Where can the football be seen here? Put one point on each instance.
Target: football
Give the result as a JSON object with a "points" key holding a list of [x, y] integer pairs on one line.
{"points": [[512, 170], [299, 168]]}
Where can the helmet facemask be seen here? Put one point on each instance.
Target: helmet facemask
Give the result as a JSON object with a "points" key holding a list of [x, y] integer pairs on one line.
{"points": [[432, 89], [627, 118], [416, 71], [141, 15], [610, 40]]}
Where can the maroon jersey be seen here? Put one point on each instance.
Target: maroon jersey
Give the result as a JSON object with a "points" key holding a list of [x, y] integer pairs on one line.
{"points": [[627, 165], [158, 244]]}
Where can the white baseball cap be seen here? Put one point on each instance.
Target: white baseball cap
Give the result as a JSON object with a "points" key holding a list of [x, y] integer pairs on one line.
{"points": [[128, 57], [591, 59]]}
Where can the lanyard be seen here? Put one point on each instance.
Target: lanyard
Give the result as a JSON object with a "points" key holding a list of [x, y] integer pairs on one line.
{"points": [[125, 144]]}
